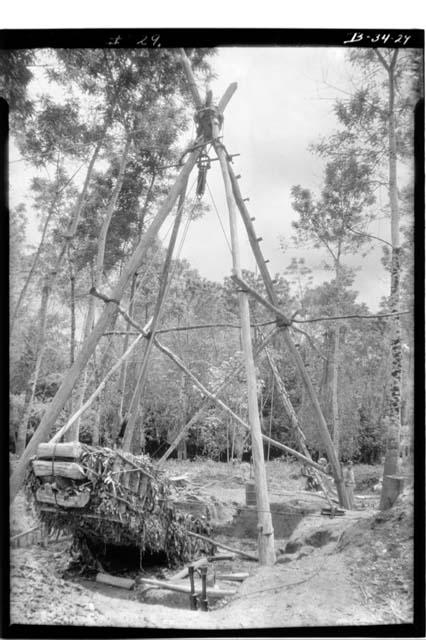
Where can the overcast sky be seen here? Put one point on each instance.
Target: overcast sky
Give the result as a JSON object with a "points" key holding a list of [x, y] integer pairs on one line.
{"points": [[283, 103]]}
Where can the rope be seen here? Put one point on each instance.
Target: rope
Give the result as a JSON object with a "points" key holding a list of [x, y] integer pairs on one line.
{"points": [[219, 218]]}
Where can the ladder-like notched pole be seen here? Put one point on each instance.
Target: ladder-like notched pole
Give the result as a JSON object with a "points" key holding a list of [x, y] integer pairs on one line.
{"points": [[283, 321]]}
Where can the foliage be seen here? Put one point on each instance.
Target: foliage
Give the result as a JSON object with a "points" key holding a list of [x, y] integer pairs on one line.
{"points": [[122, 516], [15, 76]]}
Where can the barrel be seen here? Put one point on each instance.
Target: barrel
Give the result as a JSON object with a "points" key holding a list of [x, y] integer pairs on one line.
{"points": [[251, 493]]}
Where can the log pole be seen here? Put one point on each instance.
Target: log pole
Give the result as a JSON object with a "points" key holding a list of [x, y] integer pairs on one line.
{"points": [[266, 531], [215, 543], [89, 345], [273, 298]]}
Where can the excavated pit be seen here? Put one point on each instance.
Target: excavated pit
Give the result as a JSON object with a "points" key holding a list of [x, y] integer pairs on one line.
{"points": [[120, 559], [285, 519]]}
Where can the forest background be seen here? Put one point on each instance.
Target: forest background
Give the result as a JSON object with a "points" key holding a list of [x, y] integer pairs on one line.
{"points": [[98, 131]]}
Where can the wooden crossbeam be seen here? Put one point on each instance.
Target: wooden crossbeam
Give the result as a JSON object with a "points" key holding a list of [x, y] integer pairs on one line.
{"points": [[289, 342], [246, 287]]}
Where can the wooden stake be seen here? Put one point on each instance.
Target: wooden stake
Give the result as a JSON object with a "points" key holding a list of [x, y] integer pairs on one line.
{"points": [[184, 572]]}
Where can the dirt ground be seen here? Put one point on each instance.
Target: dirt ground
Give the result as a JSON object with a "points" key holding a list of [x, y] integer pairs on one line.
{"points": [[354, 569]]}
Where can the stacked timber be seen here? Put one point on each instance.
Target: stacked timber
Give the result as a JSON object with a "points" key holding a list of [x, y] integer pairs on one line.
{"points": [[101, 495]]}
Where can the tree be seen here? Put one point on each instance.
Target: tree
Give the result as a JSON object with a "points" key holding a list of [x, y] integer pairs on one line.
{"points": [[15, 76], [328, 221], [378, 122]]}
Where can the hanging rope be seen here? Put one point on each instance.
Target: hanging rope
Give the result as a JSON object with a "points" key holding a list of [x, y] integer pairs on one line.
{"points": [[219, 218]]}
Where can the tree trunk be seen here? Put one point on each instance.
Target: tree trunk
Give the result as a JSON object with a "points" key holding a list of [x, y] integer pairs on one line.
{"points": [[265, 528], [73, 433], [394, 407], [46, 291], [334, 390], [30, 394], [123, 373], [33, 266], [72, 305], [288, 340], [326, 385], [294, 420], [105, 318]]}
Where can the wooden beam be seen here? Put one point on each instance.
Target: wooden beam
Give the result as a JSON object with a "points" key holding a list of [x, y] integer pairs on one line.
{"points": [[212, 396], [61, 498], [265, 527], [133, 410], [226, 97], [184, 572], [215, 543], [233, 577], [197, 415], [61, 398], [61, 450], [180, 588], [294, 420], [58, 468], [208, 395], [257, 296], [270, 290], [115, 581], [191, 79], [96, 392], [252, 236]]}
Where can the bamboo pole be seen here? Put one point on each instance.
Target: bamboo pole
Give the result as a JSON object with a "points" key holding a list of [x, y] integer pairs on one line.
{"points": [[264, 271], [105, 318]]}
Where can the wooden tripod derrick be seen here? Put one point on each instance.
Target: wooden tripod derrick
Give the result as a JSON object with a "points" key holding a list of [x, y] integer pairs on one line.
{"points": [[209, 121]]}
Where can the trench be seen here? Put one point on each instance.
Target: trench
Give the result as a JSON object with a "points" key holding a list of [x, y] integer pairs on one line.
{"points": [[236, 523]]}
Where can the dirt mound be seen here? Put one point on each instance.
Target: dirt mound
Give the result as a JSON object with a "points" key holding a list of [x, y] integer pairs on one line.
{"points": [[380, 553]]}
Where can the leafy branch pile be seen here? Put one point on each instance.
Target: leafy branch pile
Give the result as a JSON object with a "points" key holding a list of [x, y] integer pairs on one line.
{"points": [[116, 515]]}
